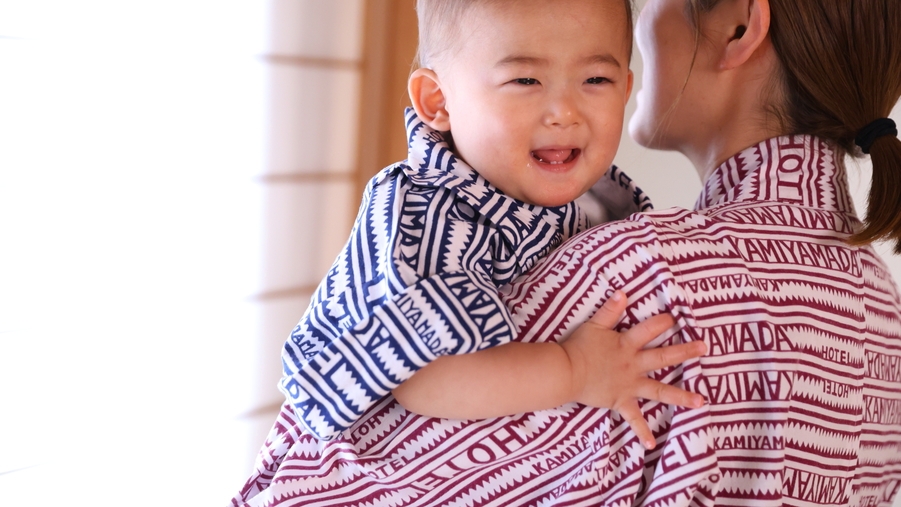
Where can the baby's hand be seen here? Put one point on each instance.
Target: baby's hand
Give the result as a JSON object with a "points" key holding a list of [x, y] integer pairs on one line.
{"points": [[610, 368]]}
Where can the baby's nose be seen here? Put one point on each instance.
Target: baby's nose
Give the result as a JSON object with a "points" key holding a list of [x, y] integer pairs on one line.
{"points": [[562, 111]]}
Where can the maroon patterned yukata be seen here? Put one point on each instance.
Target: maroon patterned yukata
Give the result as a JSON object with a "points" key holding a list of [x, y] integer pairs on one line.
{"points": [[803, 375]]}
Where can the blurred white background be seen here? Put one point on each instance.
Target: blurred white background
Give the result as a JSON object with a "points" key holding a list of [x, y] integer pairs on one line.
{"points": [[174, 178], [147, 150]]}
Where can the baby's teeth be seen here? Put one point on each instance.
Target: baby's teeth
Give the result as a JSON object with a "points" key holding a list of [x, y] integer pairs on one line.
{"points": [[553, 156]]}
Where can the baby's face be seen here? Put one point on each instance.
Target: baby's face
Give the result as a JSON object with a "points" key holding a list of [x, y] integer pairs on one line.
{"points": [[536, 92]]}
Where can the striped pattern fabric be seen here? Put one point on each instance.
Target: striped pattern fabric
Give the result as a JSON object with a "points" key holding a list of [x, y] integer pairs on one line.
{"points": [[803, 375], [417, 279]]}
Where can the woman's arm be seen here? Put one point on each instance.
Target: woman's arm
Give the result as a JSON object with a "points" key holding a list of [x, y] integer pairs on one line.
{"points": [[595, 366]]}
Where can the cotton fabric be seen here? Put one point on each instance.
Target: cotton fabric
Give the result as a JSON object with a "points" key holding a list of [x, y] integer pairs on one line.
{"points": [[418, 279], [802, 378]]}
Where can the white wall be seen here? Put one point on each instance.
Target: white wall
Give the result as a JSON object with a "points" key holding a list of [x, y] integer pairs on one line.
{"points": [[155, 237]]}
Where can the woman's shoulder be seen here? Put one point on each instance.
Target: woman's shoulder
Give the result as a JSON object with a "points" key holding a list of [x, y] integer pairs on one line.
{"points": [[645, 249], [623, 249], [647, 231], [633, 255]]}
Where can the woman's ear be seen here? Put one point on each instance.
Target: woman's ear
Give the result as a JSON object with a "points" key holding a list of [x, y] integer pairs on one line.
{"points": [[749, 30], [428, 99]]}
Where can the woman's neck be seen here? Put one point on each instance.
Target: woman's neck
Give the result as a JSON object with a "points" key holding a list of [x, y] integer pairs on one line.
{"points": [[728, 141], [742, 110]]}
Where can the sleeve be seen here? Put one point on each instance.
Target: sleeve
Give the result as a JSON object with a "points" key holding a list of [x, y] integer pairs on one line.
{"points": [[412, 284]]}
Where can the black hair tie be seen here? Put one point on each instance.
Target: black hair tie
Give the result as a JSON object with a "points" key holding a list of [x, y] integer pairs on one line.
{"points": [[874, 130]]}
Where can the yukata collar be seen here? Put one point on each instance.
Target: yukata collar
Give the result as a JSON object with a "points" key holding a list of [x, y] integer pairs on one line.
{"points": [[431, 163], [800, 170]]}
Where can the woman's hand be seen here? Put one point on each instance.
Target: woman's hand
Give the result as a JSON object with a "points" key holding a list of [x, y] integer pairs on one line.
{"points": [[610, 368]]}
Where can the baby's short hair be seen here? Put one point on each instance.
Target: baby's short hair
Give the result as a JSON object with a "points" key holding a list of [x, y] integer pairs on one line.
{"points": [[440, 20]]}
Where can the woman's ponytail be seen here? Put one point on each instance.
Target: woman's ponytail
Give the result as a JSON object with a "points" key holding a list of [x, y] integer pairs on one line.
{"points": [[842, 60], [884, 204]]}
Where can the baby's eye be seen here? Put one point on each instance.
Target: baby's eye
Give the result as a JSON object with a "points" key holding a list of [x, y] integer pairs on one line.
{"points": [[597, 80], [528, 81]]}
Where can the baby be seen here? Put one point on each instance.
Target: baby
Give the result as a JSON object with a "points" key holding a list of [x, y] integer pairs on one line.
{"points": [[518, 109]]}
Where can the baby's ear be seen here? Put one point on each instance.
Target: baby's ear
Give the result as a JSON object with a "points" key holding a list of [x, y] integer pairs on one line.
{"points": [[428, 99]]}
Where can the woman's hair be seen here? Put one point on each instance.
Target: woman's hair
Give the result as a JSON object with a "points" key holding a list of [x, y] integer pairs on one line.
{"points": [[440, 25], [841, 69]]}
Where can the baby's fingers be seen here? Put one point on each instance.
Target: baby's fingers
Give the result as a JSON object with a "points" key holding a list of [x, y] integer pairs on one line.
{"points": [[645, 331], [661, 357], [671, 395], [632, 415], [609, 314]]}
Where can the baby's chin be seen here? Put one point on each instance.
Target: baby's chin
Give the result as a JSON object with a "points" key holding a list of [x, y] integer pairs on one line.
{"points": [[547, 194], [550, 200]]}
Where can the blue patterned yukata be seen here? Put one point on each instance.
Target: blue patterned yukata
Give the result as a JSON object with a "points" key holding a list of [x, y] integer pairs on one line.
{"points": [[417, 279]]}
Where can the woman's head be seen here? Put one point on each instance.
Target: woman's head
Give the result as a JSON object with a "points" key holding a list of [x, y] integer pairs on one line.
{"points": [[705, 82], [835, 66]]}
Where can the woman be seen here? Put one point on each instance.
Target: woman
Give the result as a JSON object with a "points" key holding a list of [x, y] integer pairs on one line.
{"points": [[802, 321], [772, 271]]}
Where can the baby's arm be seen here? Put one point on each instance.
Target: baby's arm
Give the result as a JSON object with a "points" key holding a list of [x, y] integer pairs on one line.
{"points": [[595, 366]]}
